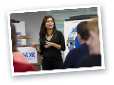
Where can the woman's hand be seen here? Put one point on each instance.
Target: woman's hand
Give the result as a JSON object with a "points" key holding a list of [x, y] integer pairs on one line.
{"points": [[49, 44]]}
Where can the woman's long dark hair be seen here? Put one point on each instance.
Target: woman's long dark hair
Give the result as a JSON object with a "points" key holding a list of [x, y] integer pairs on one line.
{"points": [[13, 37], [43, 30]]}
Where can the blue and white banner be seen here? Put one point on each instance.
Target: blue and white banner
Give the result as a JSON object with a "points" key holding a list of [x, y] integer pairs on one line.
{"points": [[30, 54]]}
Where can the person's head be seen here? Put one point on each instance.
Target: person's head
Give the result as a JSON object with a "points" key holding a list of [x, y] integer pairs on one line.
{"points": [[13, 37], [83, 31], [47, 24]]}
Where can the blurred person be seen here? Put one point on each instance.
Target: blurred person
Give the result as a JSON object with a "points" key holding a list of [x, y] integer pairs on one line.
{"points": [[81, 57], [94, 44], [51, 44], [19, 61], [76, 56]]}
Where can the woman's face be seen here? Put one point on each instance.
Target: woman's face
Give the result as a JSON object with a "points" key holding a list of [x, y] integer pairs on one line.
{"points": [[49, 23]]}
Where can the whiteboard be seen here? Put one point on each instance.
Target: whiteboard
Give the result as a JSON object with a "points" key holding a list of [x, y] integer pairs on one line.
{"points": [[20, 30]]}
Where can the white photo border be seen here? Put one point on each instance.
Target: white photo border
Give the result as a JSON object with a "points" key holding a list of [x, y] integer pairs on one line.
{"points": [[63, 70]]}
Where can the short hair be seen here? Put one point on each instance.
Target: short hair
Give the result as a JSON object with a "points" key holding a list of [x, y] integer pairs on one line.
{"points": [[82, 30]]}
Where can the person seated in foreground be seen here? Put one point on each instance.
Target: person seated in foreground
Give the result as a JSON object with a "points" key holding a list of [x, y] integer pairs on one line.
{"points": [[81, 57]]}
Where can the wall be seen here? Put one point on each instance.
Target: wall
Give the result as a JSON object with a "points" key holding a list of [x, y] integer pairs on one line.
{"points": [[32, 23], [33, 19]]}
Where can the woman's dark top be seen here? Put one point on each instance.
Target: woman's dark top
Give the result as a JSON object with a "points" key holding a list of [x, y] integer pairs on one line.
{"points": [[52, 56]]}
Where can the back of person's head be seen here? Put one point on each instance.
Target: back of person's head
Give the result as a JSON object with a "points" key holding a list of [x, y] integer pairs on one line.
{"points": [[13, 37], [82, 30]]}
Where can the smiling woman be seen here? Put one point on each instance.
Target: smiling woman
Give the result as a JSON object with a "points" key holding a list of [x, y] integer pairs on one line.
{"points": [[51, 44]]}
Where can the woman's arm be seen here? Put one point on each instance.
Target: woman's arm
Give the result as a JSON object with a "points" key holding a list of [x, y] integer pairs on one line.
{"points": [[41, 46], [62, 41]]}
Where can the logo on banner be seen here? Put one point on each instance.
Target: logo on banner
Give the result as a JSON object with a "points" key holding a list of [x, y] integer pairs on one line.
{"points": [[30, 53]]}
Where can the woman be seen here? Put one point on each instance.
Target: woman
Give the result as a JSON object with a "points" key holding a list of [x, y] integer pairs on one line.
{"points": [[51, 44], [19, 61]]}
